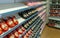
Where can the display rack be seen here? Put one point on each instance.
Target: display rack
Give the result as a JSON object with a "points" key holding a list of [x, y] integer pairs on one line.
{"points": [[37, 33], [54, 11], [10, 9], [18, 7], [4, 34], [29, 28], [37, 29]]}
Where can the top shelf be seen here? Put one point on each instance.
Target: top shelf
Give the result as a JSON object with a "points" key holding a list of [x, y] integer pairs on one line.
{"points": [[10, 9], [11, 5]]}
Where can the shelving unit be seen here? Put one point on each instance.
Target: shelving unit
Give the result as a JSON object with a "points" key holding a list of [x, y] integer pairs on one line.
{"points": [[10, 9], [13, 9], [4, 34], [37, 33], [54, 12], [36, 29], [29, 28]]}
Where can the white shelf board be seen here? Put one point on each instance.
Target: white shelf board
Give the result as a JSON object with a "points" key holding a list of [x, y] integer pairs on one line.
{"points": [[54, 18], [14, 6], [11, 7], [57, 26]]}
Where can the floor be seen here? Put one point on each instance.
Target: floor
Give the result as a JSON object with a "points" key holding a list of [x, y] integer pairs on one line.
{"points": [[49, 32]]}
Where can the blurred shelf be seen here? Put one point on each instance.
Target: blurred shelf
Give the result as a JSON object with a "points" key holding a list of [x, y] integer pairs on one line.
{"points": [[35, 26], [42, 9], [42, 27], [55, 8], [54, 3], [10, 30], [10, 9], [57, 26], [40, 4], [54, 13], [54, 18], [37, 33], [4, 34], [22, 21], [29, 28]]}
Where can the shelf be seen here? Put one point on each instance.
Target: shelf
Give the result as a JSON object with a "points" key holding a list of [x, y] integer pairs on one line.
{"points": [[28, 28], [54, 4], [37, 26], [10, 30], [55, 8], [42, 27], [40, 8], [4, 34], [15, 5], [10, 9], [57, 26], [41, 15], [36, 23], [40, 4], [37, 33], [54, 18], [55, 12]]}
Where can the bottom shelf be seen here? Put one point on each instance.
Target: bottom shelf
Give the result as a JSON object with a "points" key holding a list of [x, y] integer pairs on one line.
{"points": [[54, 22], [56, 26]]}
